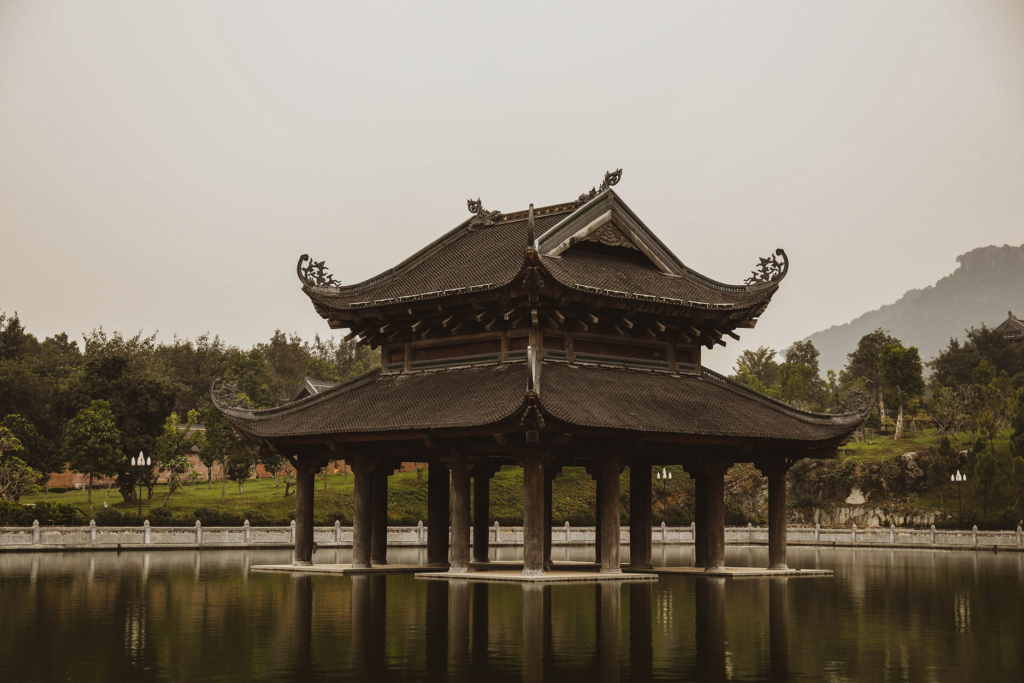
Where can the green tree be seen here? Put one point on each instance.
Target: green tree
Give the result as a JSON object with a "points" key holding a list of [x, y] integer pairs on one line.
{"points": [[865, 363], [800, 383], [92, 444], [38, 452], [941, 467], [172, 451], [248, 371], [986, 469], [903, 375], [123, 372], [16, 478], [760, 365], [1017, 450]]}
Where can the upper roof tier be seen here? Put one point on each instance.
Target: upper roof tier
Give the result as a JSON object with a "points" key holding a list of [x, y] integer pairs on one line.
{"points": [[593, 247]]}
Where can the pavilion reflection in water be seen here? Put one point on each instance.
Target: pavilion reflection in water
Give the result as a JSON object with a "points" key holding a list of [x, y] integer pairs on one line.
{"points": [[458, 645]]}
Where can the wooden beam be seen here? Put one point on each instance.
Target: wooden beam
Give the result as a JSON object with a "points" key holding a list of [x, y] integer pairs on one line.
{"points": [[591, 317], [446, 321], [626, 321], [733, 334], [509, 314]]}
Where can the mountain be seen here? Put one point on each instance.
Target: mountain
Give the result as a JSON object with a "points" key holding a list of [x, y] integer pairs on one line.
{"points": [[988, 282]]}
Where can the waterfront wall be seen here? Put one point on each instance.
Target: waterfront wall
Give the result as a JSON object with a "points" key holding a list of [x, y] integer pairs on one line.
{"points": [[94, 537]]}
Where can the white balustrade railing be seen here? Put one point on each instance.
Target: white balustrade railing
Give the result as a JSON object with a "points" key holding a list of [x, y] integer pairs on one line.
{"points": [[39, 537]]}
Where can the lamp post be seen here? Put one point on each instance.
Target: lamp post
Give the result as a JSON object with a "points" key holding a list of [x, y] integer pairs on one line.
{"points": [[141, 462], [959, 479], [663, 477]]}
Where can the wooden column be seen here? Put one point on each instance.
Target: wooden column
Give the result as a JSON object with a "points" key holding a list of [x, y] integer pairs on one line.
{"points": [[608, 502], [361, 512], [777, 515], [460, 513], [716, 516], [533, 511], [700, 518], [481, 512], [549, 478], [379, 514], [438, 511], [302, 554], [640, 514]]}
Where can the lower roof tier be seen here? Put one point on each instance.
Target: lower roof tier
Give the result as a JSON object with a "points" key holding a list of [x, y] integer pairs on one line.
{"points": [[630, 402]]}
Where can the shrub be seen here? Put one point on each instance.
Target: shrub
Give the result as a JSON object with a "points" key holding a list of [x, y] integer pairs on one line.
{"points": [[48, 514], [211, 517], [109, 517], [734, 514], [161, 517], [257, 517], [57, 489]]}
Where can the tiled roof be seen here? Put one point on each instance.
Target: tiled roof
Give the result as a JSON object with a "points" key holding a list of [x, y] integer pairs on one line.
{"points": [[601, 397], [492, 256], [376, 402], [686, 404]]}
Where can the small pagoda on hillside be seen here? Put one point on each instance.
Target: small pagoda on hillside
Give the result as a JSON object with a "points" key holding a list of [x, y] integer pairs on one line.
{"points": [[1012, 328], [568, 335]]}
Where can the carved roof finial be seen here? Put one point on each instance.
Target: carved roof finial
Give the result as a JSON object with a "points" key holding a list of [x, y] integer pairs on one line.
{"points": [[482, 217], [769, 269], [610, 178], [226, 396], [315, 274]]}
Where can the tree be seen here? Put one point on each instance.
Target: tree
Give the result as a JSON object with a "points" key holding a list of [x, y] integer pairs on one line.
{"points": [[249, 372], [172, 449], [903, 375], [800, 383], [16, 478], [1017, 449], [986, 469], [865, 363], [92, 443], [38, 452], [760, 365], [220, 444], [941, 467], [123, 372]]}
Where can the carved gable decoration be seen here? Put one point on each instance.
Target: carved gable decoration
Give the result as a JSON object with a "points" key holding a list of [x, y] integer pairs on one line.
{"points": [[611, 236]]}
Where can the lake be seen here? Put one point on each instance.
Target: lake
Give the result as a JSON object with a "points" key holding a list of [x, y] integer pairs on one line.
{"points": [[903, 615]]}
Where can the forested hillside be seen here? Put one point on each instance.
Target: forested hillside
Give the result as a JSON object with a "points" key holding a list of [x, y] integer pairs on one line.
{"points": [[988, 283]]}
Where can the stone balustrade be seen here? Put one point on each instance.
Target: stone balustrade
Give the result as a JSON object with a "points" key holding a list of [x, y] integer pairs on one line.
{"points": [[146, 537]]}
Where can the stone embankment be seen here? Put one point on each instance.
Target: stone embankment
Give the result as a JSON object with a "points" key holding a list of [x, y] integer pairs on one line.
{"points": [[92, 537]]}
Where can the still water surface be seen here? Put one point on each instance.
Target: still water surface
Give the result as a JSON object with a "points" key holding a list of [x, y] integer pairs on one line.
{"points": [[191, 616]]}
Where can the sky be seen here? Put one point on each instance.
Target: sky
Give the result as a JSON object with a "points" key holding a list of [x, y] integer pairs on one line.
{"points": [[163, 165]]}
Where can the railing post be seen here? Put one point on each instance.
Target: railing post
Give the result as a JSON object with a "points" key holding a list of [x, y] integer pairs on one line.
{"points": [[892, 534], [974, 535], [92, 531], [246, 533], [291, 528], [199, 532], [750, 532], [36, 533], [146, 533], [817, 532], [693, 532], [1020, 536], [853, 538], [568, 532], [933, 534], [497, 530], [664, 533]]}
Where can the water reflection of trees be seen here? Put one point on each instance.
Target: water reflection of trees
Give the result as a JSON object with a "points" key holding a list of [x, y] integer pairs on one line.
{"points": [[196, 616]]}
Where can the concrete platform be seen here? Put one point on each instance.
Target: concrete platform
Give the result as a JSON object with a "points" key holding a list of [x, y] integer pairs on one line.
{"points": [[556, 576], [344, 569], [734, 572]]}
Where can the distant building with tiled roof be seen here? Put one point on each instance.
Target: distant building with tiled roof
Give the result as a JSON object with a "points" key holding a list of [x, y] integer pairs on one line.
{"points": [[1012, 328]]}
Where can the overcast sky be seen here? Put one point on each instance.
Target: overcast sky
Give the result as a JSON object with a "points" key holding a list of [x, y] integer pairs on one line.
{"points": [[163, 165]]}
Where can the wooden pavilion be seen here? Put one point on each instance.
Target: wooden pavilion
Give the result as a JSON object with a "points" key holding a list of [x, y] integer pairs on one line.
{"points": [[567, 335]]}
